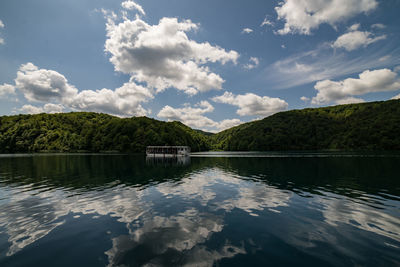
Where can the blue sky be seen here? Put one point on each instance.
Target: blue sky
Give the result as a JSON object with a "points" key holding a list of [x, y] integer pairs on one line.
{"points": [[209, 64]]}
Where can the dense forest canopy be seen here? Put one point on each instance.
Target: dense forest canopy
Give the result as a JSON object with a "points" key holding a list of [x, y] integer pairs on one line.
{"points": [[366, 126], [93, 132]]}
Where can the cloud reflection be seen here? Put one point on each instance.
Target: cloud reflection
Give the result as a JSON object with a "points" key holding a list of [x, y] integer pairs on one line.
{"points": [[176, 222], [29, 216], [174, 240], [343, 210]]}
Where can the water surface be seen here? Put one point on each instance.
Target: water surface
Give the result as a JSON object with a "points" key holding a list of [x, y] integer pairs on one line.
{"points": [[225, 209]]}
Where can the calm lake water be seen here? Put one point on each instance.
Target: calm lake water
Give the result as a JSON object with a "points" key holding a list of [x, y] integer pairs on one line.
{"points": [[222, 209]]}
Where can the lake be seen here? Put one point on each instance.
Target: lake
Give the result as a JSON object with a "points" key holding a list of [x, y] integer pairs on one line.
{"points": [[212, 209]]}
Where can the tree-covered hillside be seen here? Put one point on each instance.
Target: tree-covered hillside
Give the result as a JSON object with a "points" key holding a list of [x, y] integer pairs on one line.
{"points": [[93, 132], [366, 126]]}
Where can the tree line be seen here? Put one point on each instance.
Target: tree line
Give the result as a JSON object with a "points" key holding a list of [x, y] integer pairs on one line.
{"points": [[366, 126]]}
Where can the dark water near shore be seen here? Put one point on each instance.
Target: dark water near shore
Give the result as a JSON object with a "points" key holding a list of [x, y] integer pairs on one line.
{"points": [[277, 209]]}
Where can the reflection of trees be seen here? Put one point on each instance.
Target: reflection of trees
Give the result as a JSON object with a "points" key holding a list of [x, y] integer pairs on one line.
{"points": [[86, 171], [31, 215], [339, 174], [342, 175], [38, 192]]}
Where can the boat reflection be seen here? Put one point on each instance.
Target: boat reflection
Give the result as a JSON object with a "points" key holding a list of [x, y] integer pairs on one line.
{"points": [[168, 161], [213, 211]]}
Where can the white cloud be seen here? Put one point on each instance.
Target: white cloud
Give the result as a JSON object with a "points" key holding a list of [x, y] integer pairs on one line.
{"points": [[48, 108], [384, 58], [7, 89], [191, 116], [354, 27], [304, 98], [378, 26], [355, 39], [252, 105], [53, 108], [324, 63], [163, 56], [226, 124], [130, 5], [29, 109], [109, 15], [266, 22], [396, 97], [43, 85], [1, 26], [123, 101], [253, 63], [247, 30], [343, 91], [302, 16], [349, 100], [195, 118], [283, 46]]}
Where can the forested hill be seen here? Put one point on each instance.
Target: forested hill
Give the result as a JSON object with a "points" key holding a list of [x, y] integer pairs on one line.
{"points": [[83, 131], [366, 126]]}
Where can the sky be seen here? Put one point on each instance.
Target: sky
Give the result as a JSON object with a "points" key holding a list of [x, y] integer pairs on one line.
{"points": [[209, 64]]}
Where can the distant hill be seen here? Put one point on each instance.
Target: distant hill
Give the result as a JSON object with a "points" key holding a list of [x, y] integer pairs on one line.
{"points": [[366, 126], [85, 131]]}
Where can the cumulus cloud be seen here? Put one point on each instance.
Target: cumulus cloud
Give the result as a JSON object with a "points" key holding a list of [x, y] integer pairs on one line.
{"points": [[42, 85], [48, 108], [324, 63], [302, 16], [123, 101], [247, 30], [130, 5], [163, 56], [195, 118], [251, 104], [253, 63], [191, 116], [53, 108], [355, 39], [226, 124], [304, 98], [342, 92], [1, 24], [7, 89], [396, 97]]}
